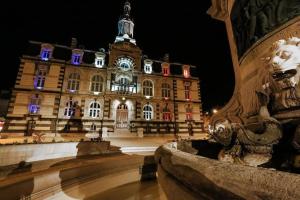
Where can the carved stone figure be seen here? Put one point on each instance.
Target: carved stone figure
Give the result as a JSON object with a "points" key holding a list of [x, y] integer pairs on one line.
{"points": [[250, 141], [252, 19]]}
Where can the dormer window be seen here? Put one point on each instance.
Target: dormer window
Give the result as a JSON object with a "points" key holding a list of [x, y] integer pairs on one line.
{"points": [[148, 66], [99, 59], [46, 51], [165, 69], [186, 71], [77, 55], [76, 59]]}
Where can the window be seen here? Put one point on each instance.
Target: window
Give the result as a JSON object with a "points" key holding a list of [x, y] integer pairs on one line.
{"points": [[97, 83], [189, 113], [73, 82], [147, 88], [39, 81], [70, 108], [46, 51], [45, 55], [148, 112], [187, 90], [165, 69], [148, 66], [34, 106], [166, 113], [165, 90], [94, 110], [76, 59], [186, 71], [99, 62], [93, 127]]}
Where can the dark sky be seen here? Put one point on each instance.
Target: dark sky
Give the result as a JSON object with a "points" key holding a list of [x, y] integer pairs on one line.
{"points": [[182, 29]]}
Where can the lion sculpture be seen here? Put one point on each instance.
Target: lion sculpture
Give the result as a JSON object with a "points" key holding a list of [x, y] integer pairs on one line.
{"points": [[252, 144]]}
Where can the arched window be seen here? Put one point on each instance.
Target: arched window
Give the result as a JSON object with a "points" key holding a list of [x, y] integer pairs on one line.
{"points": [[97, 83], [73, 82], [94, 110], [70, 108], [34, 106], [148, 112], [148, 88], [165, 90]]}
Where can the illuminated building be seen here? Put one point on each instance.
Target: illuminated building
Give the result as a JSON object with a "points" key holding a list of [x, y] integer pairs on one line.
{"points": [[71, 89]]}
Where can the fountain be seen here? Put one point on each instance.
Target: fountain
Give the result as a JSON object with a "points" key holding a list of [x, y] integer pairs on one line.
{"points": [[259, 128]]}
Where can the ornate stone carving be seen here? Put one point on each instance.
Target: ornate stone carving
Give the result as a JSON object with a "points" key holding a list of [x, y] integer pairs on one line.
{"points": [[276, 88], [253, 19]]}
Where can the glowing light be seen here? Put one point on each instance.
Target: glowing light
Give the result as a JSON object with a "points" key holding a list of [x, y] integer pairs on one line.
{"points": [[96, 93], [72, 91], [123, 98], [147, 97], [214, 111]]}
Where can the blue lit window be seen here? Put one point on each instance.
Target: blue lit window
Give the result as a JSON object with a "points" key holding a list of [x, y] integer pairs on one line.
{"points": [[45, 55], [76, 59], [34, 106]]}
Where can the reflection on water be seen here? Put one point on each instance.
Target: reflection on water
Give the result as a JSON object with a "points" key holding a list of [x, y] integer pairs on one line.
{"points": [[146, 190]]}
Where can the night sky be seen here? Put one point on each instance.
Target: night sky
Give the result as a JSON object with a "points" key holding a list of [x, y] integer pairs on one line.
{"points": [[182, 29]]}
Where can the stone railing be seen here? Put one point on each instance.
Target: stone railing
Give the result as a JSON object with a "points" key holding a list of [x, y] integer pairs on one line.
{"points": [[206, 178]]}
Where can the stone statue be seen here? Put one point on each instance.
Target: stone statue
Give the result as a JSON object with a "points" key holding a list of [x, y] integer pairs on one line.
{"points": [[277, 88], [253, 19]]}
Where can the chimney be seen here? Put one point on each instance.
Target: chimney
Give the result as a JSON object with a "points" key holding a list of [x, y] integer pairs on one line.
{"points": [[74, 43]]}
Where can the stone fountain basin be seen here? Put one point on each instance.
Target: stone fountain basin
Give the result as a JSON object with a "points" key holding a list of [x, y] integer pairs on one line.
{"points": [[206, 178]]}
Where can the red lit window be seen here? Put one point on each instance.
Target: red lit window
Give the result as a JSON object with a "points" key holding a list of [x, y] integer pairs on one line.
{"points": [[166, 71], [166, 113]]}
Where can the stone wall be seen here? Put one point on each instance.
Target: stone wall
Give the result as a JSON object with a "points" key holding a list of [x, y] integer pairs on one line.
{"points": [[14, 154], [212, 179]]}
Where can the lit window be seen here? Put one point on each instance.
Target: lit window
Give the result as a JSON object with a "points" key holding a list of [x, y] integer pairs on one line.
{"points": [[148, 66], [73, 82], [34, 106], [148, 112], [76, 59], [186, 71], [46, 51], [165, 90], [166, 113], [99, 62], [97, 83], [94, 110], [187, 90], [189, 113], [70, 108], [148, 88], [45, 54], [165, 69], [40, 77]]}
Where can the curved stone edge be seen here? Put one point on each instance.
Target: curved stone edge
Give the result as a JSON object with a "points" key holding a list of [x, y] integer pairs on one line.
{"points": [[212, 179]]}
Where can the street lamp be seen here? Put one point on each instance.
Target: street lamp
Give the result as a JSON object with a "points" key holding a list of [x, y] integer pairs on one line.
{"points": [[214, 111]]}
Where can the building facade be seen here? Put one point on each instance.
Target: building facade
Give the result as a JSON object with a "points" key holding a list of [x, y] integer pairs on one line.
{"points": [[72, 89]]}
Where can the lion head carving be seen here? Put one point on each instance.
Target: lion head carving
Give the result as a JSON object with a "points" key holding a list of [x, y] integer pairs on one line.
{"points": [[285, 60]]}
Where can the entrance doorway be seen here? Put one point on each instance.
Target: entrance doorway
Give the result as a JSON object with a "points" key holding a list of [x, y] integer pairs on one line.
{"points": [[122, 116]]}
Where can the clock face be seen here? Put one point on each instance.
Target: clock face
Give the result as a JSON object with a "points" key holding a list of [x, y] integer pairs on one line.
{"points": [[125, 63]]}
